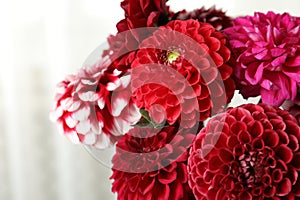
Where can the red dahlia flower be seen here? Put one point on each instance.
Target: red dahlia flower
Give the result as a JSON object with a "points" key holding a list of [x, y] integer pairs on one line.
{"points": [[182, 68], [217, 18], [249, 152], [147, 166], [266, 51], [94, 107], [142, 13]]}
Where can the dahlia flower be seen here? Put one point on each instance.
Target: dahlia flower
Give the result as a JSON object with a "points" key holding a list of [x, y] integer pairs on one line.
{"points": [[182, 78], [94, 107], [267, 56], [217, 18], [152, 164], [249, 152], [139, 14], [293, 107]]}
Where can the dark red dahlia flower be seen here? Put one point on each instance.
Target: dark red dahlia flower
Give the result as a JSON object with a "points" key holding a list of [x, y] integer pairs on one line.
{"points": [[144, 13], [94, 107], [293, 107], [217, 18], [182, 67], [151, 164], [249, 152], [295, 111], [267, 56]]}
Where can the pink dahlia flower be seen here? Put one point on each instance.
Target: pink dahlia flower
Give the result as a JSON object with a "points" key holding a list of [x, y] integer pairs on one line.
{"points": [[167, 68], [217, 18], [94, 107], [267, 56], [148, 165], [249, 152]]}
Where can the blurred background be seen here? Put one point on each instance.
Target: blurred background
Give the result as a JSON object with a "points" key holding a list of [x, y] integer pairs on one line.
{"points": [[41, 41]]}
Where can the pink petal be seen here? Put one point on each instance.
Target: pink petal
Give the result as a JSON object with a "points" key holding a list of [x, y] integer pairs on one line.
{"points": [[293, 62]]}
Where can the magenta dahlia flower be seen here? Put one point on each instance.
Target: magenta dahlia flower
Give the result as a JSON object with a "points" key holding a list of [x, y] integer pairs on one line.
{"points": [[152, 164], [168, 66], [216, 17], [267, 56], [94, 107], [249, 152]]}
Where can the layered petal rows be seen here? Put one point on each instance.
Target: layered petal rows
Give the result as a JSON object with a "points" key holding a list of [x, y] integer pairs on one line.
{"points": [[152, 164], [266, 49], [175, 72], [94, 107], [249, 152]]}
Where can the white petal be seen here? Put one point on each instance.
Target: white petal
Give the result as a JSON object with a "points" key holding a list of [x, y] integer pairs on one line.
{"points": [[103, 141], [120, 127], [73, 137], [81, 114], [75, 105], [96, 128], [112, 86], [60, 90], [71, 122], [55, 114], [88, 96], [66, 103], [89, 139], [88, 82], [117, 72], [101, 103], [131, 113], [119, 102], [83, 127], [125, 80]]}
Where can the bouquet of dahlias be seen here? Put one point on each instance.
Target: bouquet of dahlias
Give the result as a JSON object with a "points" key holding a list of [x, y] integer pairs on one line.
{"points": [[159, 96]]}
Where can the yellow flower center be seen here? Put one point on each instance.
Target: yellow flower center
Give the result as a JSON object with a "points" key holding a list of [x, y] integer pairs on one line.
{"points": [[172, 56]]}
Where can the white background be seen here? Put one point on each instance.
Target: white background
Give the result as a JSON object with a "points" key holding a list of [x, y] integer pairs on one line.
{"points": [[41, 41]]}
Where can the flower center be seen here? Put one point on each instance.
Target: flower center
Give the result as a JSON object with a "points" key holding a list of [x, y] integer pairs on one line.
{"points": [[252, 168], [172, 56]]}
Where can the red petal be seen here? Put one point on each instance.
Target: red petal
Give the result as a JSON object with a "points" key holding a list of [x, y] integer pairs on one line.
{"points": [[296, 161], [244, 137], [277, 175], [133, 183], [214, 163], [292, 175], [270, 191], [238, 126], [278, 124], [284, 153], [167, 177], [258, 144], [225, 155], [245, 196], [294, 143], [255, 128], [284, 187], [232, 141], [270, 138]]}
